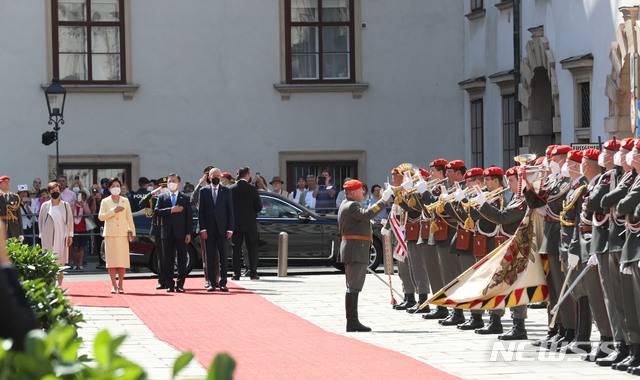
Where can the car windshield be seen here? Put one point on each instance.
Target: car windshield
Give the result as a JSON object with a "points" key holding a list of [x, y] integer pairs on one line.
{"points": [[275, 208]]}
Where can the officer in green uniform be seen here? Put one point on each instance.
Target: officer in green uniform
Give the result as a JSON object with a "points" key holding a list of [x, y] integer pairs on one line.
{"points": [[148, 203], [354, 223], [508, 219], [10, 212]]}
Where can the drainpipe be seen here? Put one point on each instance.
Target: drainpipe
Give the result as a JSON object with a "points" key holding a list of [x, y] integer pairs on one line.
{"points": [[516, 66]]}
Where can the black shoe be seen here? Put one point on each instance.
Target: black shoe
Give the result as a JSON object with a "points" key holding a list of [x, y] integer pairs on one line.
{"points": [[475, 322], [598, 351], [351, 311], [224, 289], [564, 342], [179, 289], [439, 313], [170, 289], [517, 332], [632, 361], [160, 287], [577, 347], [619, 354], [494, 326], [552, 343], [456, 317], [255, 277], [409, 301], [539, 305], [415, 309], [246, 273], [211, 289], [545, 340], [206, 285], [634, 370], [235, 278]]}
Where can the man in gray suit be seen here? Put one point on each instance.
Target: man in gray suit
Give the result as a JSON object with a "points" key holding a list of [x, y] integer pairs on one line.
{"points": [[354, 223]]}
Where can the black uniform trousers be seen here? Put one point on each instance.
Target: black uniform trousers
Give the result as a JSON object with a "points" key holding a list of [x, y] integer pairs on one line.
{"points": [[173, 247], [216, 253], [250, 239]]}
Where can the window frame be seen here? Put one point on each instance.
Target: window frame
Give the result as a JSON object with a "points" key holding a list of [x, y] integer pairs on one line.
{"points": [[319, 24], [476, 5], [477, 144], [510, 137], [55, 23]]}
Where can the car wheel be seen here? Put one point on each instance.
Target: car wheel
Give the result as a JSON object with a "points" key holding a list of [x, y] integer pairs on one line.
{"points": [[375, 254]]}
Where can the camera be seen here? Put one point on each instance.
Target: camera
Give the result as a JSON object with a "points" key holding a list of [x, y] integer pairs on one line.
{"points": [[322, 181]]}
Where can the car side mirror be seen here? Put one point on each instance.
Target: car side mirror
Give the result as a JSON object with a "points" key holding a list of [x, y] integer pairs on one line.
{"points": [[304, 217]]}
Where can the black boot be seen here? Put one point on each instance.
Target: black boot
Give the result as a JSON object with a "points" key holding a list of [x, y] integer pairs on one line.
{"points": [[475, 322], [563, 343], [409, 301], [439, 313], [456, 317], [539, 305], [517, 332], [619, 354], [543, 341], [582, 343], [598, 351], [552, 343], [351, 308], [633, 360], [494, 326], [422, 298]]}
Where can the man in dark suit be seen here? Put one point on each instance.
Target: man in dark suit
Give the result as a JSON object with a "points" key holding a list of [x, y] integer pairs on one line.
{"points": [[174, 211], [246, 206], [216, 222]]}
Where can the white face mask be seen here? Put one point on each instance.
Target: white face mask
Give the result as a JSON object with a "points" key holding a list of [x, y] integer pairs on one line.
{"points": [[564, 171], [617, 158], [76, 189], [115, 191], [172, 186], [629, 158], [149, 188], [601, 161], [555, 167]]}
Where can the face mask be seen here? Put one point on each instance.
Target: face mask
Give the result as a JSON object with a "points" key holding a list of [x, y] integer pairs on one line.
{"points": [[149, 188], [555, 167], [26, 200], [617, 158], [564, 171], [601, 160], [629, 158], [215, 181], [115, 191], [172, 186], [55, 195], [76, 189]]}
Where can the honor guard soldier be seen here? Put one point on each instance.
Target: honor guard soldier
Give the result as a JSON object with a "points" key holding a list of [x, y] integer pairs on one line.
{"points": [[576, 254], [486, 231], [508, 219], [404, 272], [10, 212], [148, 204], [609, 260], [548, 201], [462, 244], [629, 206], [416, 249], [354, 223]]}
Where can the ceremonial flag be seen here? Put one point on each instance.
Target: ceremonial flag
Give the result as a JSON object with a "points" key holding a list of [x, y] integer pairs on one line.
{"points": [[400, 252], [511, 275]]}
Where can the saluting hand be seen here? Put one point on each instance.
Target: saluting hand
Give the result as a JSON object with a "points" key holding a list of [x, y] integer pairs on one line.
{"points": [[176, 209], [118, 209]]}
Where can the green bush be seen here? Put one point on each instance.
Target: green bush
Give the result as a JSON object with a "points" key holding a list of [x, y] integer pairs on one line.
{"points": [[54, 355], [38, 271]]}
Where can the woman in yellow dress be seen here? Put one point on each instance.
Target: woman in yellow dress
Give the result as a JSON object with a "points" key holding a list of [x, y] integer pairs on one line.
{"points": [[119, 230]]}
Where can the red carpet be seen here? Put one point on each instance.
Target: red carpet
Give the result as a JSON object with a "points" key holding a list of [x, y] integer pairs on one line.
{"points": [[266, 341]]}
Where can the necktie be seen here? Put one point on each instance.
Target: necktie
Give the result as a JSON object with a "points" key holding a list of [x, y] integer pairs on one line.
{"points": [[173, 200], [215, 195]]}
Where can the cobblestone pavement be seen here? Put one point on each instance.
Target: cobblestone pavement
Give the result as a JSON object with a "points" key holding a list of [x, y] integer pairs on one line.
{"points": [[141, 345], [320, 300]]}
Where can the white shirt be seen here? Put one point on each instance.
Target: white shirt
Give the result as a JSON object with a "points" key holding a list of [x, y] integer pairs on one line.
{"points": [[310, 200]]}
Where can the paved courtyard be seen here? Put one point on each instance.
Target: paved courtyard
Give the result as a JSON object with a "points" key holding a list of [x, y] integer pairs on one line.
{"points": [[319, 299]]}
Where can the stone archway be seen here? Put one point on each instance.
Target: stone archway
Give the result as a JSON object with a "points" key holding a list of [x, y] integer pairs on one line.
{"points": [[540, 125], [618, 85]]}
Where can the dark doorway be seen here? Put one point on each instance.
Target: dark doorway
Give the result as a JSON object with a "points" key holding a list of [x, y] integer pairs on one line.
{"points": [[541, 112]]}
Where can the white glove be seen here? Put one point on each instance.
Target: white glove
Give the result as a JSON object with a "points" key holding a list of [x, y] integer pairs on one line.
{"points": [[407, 185], [385, 231], [481, 199], [387, 194], [421, 186], [459, 195], [573, 260], [593, 261], [638, 264], [625, 269], [443, 191]]}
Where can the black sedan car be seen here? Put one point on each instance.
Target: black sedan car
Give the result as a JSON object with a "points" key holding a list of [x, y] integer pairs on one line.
{"points": [[313, 239]]}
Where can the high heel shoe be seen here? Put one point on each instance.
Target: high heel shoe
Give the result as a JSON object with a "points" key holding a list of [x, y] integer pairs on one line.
{"points": [[114, 290]]}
